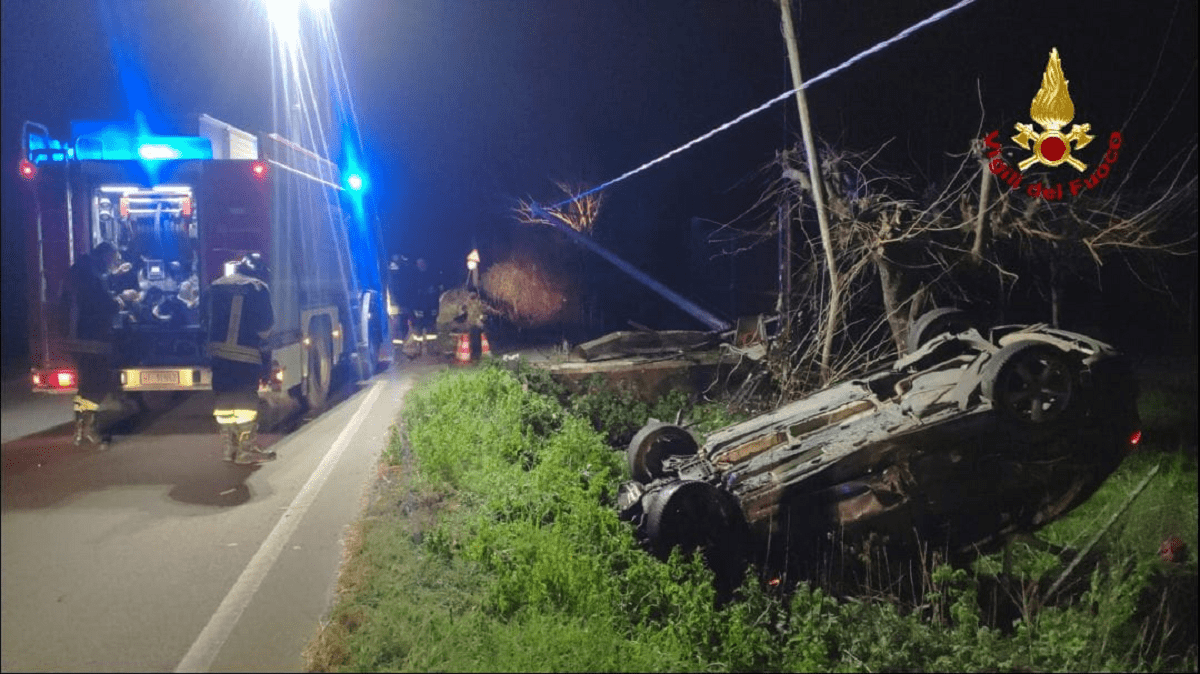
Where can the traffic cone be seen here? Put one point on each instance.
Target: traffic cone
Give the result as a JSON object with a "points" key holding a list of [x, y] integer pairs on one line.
{"points": [[463, 355], [485, 349]]}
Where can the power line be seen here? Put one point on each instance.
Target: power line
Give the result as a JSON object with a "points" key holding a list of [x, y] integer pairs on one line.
{"points": [[938, 16]]}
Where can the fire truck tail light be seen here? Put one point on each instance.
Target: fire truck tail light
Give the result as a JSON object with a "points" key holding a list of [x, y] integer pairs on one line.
{"points": [[124, 207], [37, 379], [64, 379], [259, 168], [185, 207], [27, 169]]}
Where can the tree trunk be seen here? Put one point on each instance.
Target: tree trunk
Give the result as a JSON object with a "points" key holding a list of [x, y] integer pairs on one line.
{"points": [[891, 282], [985, 184]]}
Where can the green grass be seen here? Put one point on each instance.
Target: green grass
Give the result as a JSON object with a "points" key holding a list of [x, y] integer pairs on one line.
{"points": [[500, 550]]}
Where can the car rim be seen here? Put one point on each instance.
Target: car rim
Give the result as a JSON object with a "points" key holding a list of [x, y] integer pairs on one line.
{"points": [[1039, 388], [650, 446]]}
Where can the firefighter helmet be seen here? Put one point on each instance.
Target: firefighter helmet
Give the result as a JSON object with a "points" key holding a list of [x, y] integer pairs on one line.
{"points": [[251, 264], [255, 266]]}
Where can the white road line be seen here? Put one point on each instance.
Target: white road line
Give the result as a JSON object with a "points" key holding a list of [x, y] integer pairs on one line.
{"points": [[212, 638]]}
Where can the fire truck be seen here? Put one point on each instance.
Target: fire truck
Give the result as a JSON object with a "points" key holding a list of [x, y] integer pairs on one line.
{"points": [[179, 209]]}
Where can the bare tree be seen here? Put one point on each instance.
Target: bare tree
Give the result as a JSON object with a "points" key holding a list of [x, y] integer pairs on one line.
{"points": [[541, 284], [898, 249], [580, 210]]}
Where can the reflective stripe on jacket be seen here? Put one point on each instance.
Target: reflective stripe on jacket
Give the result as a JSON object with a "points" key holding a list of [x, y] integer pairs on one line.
{"points": [[239, 318]]}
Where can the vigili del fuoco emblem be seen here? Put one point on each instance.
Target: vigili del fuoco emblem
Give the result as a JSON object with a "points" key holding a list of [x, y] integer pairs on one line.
{"points": [[1052, 109]]}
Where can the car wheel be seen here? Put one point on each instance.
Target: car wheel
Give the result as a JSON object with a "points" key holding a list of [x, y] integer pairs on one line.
{"points": [[936, 322], [655, 442], [690, 515], [1032, 383]]}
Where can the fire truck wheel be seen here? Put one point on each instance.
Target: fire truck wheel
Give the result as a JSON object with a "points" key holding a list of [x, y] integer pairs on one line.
{"points": [[320, 365], [371, 325], [371, 330]]}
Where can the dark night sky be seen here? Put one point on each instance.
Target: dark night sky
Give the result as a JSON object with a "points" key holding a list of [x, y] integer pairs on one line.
{"points": [[466, 105]]}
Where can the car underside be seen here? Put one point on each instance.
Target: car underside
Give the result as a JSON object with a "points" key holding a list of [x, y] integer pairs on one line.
{"points": [[962, 442]]}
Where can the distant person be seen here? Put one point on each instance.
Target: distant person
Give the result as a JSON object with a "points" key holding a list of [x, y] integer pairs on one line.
{"points": [[400, 270], [238, 318], [423, 293], [90, 308]]}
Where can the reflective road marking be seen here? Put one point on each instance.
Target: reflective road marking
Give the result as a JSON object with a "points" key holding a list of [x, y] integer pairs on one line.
{"points": [[206, 647]]}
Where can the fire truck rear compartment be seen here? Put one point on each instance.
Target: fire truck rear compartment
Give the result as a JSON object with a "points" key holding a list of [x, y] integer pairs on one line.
{"points": [[159, 342]]}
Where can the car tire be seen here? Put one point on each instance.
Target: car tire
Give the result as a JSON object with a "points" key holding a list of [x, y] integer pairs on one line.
{"points": [[936, 322], [690, 514], [1032, 383], [653, 443]]}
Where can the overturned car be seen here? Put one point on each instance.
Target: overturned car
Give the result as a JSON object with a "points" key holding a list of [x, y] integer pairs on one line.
{"points": [[972, 436]]}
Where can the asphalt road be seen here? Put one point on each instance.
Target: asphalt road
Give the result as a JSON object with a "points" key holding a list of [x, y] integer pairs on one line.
{"points": [[156, 555]]}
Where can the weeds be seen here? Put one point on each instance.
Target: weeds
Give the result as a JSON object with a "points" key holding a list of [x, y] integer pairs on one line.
{"points": [[526, 567]]}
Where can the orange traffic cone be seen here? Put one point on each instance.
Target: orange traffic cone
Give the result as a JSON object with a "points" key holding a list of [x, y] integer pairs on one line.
{"points": [[485, 349], [463, 355]]}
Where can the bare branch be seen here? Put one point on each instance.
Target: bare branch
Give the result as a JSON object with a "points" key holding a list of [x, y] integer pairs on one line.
{"points": [[579, 212]]}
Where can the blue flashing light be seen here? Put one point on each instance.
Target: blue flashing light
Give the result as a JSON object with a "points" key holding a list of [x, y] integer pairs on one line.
{"points": [[158, 151], [355, 182], [123, 141], [42, 148]]}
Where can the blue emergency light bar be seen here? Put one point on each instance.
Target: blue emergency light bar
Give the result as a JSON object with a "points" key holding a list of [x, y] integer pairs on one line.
{"points": [[115, 147], [40, 147], [112, 141]]}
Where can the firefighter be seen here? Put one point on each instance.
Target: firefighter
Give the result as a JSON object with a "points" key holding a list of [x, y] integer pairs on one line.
{"points": [[399, 303], [424, 290], [91, 308], [238, 318]]}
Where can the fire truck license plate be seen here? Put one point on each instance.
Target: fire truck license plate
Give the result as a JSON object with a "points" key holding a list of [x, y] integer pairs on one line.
{"points": [[171, 377]]}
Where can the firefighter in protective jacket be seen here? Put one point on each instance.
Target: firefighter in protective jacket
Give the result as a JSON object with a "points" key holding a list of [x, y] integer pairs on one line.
{"points": [[239, 318], [91, 308]]}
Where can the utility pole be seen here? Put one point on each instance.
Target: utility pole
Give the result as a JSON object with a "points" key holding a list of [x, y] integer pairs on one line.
{"points": [[814, 175]]}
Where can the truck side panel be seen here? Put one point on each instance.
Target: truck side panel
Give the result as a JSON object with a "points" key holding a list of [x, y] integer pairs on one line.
{"points": [[48, 260], [236, 205], [310, 252]]}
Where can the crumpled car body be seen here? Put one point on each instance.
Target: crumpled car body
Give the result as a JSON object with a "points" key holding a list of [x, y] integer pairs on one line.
{"points": [[965, 440]]}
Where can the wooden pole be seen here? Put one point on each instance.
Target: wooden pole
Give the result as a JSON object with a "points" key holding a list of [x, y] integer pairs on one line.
{"points": [[814, 175]]}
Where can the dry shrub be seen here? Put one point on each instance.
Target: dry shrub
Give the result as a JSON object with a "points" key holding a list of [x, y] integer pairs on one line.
{"points": [[531, 295]]}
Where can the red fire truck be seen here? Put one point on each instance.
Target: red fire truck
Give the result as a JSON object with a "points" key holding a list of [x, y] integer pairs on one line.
{"points": [[178, 208]]}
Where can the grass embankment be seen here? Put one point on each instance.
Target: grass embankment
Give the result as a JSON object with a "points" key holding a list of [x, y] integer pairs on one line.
{"points": [[500, 550]]}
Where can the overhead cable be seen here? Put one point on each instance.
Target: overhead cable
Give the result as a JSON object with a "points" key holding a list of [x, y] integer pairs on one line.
{"points": [[781, 97]]}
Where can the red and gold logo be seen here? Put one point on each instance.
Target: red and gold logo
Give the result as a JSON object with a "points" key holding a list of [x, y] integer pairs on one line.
{"points": [[1052, 110]]}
